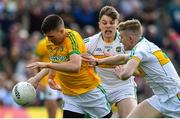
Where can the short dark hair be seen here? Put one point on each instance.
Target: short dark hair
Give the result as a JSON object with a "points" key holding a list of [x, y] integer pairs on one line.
{"points": [[51, 22], [110, 12]]}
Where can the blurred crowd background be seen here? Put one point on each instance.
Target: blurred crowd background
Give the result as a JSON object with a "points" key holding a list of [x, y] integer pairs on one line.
{"points": [[20, 22]]}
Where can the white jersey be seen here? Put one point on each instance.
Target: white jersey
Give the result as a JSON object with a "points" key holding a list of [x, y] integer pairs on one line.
{"points": [[99, 49], [159, 71]]}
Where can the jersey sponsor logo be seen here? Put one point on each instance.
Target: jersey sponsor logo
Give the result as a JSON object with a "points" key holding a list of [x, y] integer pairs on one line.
{"points": [[108, 47], [98, 49], [52, 50], [162, 57], [108, 50], [58, 58]]}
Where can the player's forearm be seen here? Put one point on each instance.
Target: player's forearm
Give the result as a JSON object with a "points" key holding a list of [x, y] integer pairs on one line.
{"points": [[51, 74], [125, 75], [41, 74], [129, 69], [64, 67], [36, 79], [114, 60]]}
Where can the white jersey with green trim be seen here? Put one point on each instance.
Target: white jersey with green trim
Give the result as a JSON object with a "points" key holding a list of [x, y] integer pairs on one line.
{"points": [[100, 49], [160, 73]]}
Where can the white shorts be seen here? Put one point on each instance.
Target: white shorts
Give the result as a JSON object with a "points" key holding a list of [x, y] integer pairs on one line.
{"points": [[169, 108], [50, 94], [119, 93], [93, 103]]}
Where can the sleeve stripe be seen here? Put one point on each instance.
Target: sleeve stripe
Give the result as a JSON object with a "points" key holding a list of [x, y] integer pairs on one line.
{"points": [[73, 52], [136, 58], [73, 41]]}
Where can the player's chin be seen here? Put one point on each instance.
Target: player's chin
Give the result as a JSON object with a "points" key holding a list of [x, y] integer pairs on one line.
{"points": [[108, 35]]}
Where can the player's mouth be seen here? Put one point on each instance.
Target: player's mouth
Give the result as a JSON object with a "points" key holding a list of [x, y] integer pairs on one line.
{"points": [[108, 32]]}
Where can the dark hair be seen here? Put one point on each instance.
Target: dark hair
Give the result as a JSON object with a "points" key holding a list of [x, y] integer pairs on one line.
{"points": [[51, 22], [110, 12]]}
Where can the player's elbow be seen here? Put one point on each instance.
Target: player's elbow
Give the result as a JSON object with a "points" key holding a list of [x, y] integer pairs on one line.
{"points": [[76, 68]]}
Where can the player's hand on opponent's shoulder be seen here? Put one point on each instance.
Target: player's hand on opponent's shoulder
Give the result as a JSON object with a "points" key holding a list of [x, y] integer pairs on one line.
{"points": [[90, 59], [54, 85], [37, 65]]}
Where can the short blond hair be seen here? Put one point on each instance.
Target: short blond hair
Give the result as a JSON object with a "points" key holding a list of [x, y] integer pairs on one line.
{"points": [[132, 27]]}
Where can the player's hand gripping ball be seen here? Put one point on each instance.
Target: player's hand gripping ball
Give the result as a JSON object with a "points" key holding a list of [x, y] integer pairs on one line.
{"points": [[23, 93]]}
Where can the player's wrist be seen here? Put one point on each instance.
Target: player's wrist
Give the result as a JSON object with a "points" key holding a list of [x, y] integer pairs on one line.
{"points": [[48, 65], [96, 63], [33, 81]]}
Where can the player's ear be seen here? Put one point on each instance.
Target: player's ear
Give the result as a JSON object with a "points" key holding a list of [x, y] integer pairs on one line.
{"points": [[131, 38], [99, 24], [61, 30]]}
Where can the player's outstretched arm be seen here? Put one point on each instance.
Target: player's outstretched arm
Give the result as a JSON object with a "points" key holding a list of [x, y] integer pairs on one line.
{"points": [[73, 65], [36, 79], [111, 60], [114, 60]]}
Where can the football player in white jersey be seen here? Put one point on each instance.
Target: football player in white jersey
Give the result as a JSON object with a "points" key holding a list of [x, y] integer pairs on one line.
{"points": [[106, 43], [156, 68]]}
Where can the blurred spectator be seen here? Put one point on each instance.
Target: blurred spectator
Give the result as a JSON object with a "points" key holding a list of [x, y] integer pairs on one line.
{"points": [[35, 16], [174, 12], [153, 34], [173, 38], [84, 14], [130, 8], [65, 9], [88, 31]]}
